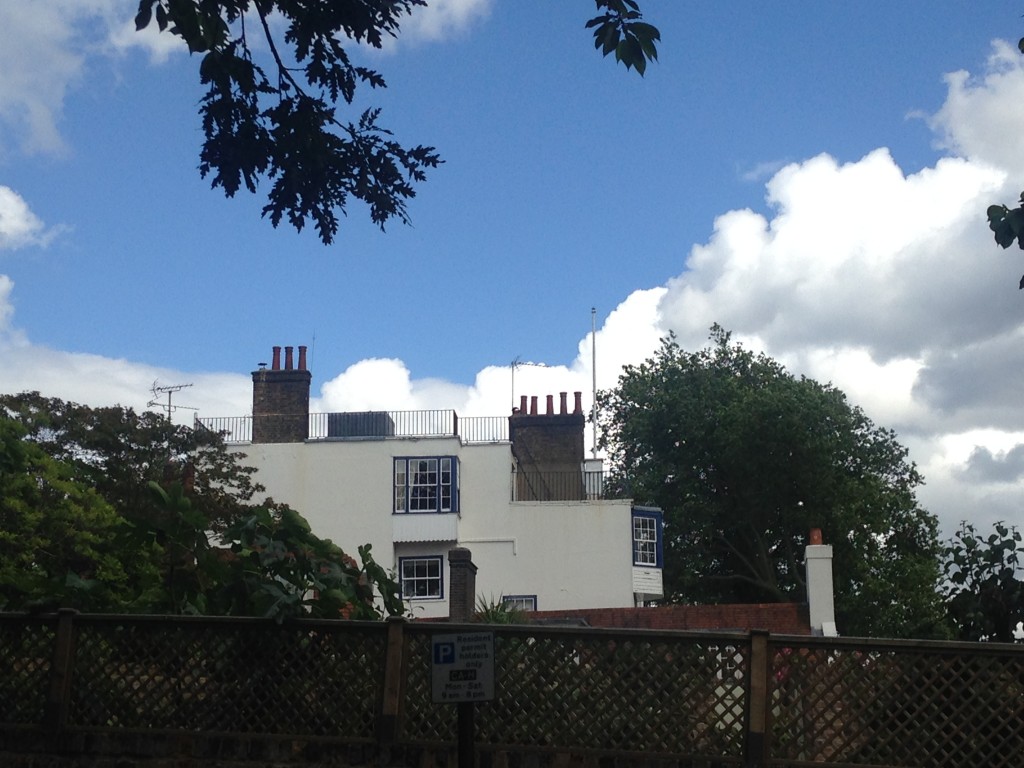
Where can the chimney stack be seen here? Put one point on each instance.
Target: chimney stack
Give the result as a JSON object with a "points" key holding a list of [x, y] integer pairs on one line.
{"points": [[462, 585], [280, 400], [820, 596], [548, 449]]}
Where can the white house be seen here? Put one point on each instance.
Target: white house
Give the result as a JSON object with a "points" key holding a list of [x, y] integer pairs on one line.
{"points": [[514, 490]]}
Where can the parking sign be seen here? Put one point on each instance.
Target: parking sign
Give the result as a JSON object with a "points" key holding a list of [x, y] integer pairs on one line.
{"points": [[462, 667]]}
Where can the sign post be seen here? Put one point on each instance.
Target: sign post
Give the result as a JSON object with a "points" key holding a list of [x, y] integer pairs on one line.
{"points": [[462, 672]]}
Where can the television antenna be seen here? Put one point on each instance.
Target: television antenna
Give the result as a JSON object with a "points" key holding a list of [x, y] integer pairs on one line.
{"points": [[158, 391], [517, 363]]}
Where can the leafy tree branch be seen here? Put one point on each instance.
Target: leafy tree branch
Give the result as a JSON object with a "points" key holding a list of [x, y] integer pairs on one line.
{"points": [[288, 132]]}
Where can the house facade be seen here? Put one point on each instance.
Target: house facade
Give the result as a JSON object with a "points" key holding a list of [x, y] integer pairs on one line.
{"points": [[545, 531]]}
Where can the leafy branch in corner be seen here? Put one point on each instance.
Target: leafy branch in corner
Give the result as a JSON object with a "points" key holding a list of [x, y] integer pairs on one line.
{"points": [[284, 126], [288, 130]]}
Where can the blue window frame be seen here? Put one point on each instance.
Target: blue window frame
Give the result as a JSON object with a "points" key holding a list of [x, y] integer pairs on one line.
{"points": [[648, 537], [421, 578], [426, 484]]}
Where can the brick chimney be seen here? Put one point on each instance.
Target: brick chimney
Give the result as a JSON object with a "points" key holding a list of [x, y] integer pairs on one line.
{"points": [[280, 400], [462, 585], [548, 449], [820, 596]]}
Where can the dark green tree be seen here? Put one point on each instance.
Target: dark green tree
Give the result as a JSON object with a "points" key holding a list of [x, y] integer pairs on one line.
{"points": [[106, 509], [56, 535], [984, 583], [118, 452], [275, 117], [744, 459]]}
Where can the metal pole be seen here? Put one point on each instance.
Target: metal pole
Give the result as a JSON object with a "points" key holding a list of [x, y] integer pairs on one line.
{"points": [[593, 371], [467, 747]]}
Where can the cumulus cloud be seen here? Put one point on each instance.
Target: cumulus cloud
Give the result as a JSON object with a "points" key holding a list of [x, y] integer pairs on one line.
{"points": [[1000, 467]]}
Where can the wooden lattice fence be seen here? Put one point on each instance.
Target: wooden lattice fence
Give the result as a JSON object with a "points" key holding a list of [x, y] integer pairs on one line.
{"points": [[79, 683]]}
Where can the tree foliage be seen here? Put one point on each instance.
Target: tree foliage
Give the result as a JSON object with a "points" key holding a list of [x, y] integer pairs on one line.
{"points": [[745, 459], [55, 534], [118, 452], [106, 509], [984, 583], [275, 117]]}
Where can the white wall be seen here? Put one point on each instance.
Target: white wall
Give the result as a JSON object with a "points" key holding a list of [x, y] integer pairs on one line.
{"points": [[568, 554]]}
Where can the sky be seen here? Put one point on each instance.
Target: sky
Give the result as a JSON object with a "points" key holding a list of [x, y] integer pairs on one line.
{"points": [[812, 176]]}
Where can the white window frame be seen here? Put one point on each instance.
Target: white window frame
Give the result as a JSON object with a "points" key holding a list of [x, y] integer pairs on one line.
{"points": [[422, 569], [520, 602], [645, 541], [425, 484]]}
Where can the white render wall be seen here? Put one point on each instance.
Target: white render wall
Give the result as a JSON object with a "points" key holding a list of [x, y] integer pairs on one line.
{"points": [[570, 554]]}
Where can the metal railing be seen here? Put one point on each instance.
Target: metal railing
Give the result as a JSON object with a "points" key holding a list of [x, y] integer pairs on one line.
{"points": [[562, 486], [632, 696], [375, 425]]}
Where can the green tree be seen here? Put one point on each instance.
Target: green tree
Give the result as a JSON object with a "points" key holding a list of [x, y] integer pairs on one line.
{"points": [[118, 452], [745, 459], [55, 534], [984, 583], [284, 127], [106, 509]]}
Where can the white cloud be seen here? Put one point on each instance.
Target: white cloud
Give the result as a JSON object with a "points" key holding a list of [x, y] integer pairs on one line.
{"points": [[982, 116], [19, 227], [443, 19]]}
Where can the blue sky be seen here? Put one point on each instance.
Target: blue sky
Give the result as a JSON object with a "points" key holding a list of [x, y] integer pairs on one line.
{"points": [[810, 175]]}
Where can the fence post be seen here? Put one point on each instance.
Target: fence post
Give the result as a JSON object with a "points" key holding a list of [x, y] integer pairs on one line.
{"points": [[387, 723], [61, 667], [755, 749]]}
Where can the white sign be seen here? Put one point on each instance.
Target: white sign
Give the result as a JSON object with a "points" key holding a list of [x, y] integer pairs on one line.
{"points": [[462, 667]]}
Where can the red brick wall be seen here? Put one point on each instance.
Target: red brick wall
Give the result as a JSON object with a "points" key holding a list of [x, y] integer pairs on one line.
{"points": [[778, 618]]}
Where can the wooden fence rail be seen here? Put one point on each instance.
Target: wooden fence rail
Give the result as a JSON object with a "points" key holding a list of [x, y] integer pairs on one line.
{"points": [[104, 685]]}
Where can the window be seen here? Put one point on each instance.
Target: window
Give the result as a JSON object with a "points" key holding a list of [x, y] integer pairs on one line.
{"points": [[420, 578], [647, 537], [426, 485], [520, 602]]}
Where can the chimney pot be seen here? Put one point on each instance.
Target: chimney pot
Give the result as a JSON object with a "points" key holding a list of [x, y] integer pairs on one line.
{"points": [[815, 536], [563, 407], [578, 407], [288, 358], [551, 405], [276, 363], [522, 405], [302, 358], [533, 405]]}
